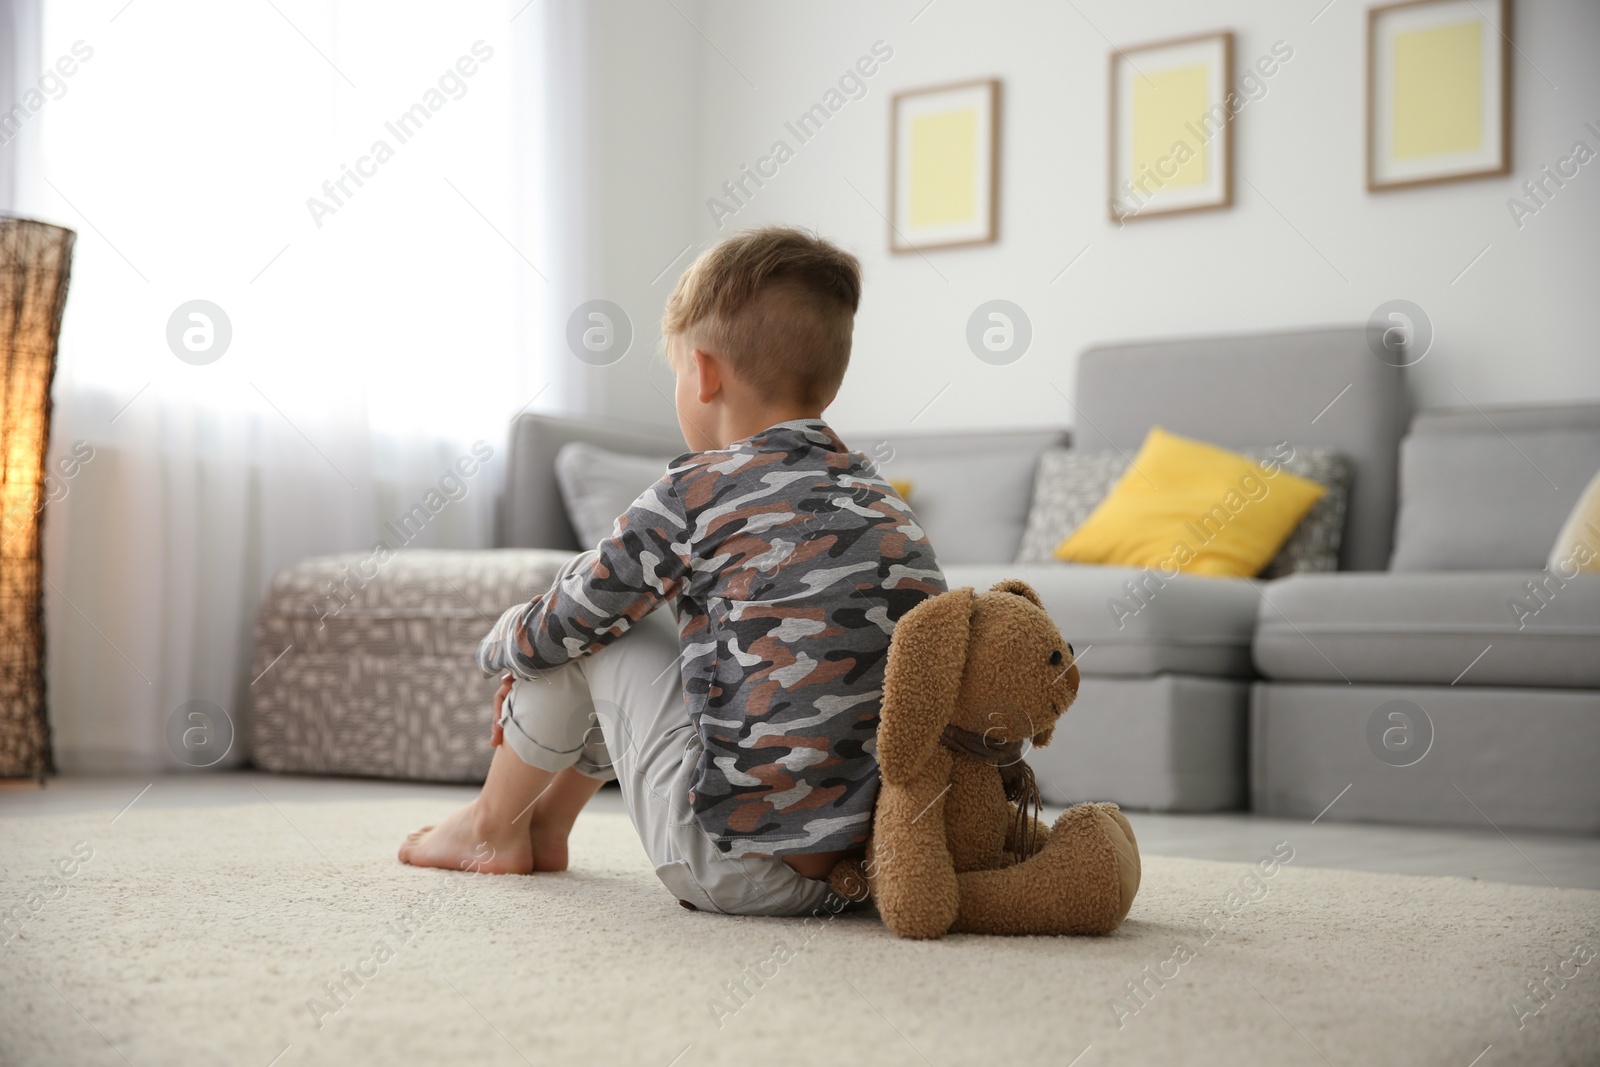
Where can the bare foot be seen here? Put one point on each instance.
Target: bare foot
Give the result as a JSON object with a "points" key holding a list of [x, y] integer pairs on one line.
{"points": [[466, 840], [548, 839]]}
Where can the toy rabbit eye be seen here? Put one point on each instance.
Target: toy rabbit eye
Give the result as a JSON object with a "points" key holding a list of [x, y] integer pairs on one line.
{"points": [[1055, 657]]}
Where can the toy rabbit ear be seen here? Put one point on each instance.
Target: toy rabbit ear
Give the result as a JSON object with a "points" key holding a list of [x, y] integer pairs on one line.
{"points": [[922, 681], [1019, 587]]}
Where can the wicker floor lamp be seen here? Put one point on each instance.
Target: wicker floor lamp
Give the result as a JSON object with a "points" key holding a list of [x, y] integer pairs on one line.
{"points": [[35, 263]]}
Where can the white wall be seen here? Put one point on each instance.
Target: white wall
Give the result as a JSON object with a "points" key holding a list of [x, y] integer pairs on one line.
{"points": [[1519, 325], [642, 90]]}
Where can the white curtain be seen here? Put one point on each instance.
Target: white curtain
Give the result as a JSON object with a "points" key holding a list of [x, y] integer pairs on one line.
{"points": [[381, 200]]}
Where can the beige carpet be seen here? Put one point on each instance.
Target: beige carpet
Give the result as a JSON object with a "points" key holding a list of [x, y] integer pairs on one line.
{"points": [[208, 937]]}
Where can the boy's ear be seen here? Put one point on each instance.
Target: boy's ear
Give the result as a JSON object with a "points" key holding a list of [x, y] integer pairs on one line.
{"points": [[708, 369]]}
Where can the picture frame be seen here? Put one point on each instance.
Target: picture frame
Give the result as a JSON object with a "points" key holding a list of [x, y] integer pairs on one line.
{"points": [[1170, 128], [944, 166], [1438, 92]]}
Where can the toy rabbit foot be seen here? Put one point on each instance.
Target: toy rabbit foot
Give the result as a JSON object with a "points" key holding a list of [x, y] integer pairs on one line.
{"points": [[1082, 882]]}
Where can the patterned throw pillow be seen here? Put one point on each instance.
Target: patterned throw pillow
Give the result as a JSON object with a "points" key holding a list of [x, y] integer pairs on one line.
{"points": [[1069, 484], [1314, 545]]}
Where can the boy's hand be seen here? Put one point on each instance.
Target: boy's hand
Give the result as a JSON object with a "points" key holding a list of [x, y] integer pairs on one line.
{"points": [[498, 734]]}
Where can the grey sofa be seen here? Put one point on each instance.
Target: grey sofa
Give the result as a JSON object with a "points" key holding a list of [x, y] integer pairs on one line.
{"points": [[1218, 694], [1461, 685], [1162, 719]]}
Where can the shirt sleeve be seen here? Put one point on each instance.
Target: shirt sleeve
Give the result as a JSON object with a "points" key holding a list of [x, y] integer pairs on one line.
{"points": [[599, 594]]}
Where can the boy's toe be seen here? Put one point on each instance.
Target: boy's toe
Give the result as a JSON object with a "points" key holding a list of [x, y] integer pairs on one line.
{"points": [[411, 842]]}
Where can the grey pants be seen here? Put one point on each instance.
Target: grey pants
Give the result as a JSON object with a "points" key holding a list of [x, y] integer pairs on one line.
{"points": [[620, 714]]}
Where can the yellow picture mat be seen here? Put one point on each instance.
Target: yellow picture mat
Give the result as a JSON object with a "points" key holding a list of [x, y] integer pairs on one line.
{"points": [[1438, 90], [1165, 104], [944, 167]]}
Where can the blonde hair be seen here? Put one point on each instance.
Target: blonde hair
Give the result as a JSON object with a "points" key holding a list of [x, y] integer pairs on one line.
{"points": [[778, 304]]}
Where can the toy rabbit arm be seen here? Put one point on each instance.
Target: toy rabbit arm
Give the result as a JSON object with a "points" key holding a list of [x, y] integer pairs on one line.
{"points": [[909, 865]]}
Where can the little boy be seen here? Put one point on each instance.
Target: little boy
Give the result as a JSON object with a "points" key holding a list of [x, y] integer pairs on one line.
{"points": [[745, 741]]}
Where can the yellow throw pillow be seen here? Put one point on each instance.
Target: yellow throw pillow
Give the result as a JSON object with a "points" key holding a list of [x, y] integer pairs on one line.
{"points": [[1192, 507], [902, 488]]}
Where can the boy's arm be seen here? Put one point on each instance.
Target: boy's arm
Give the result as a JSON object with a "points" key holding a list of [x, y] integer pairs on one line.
{"points": [[599, 594]]}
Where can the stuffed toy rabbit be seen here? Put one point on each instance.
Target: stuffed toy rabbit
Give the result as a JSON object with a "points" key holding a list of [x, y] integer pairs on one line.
{"points": [[973, 680]]}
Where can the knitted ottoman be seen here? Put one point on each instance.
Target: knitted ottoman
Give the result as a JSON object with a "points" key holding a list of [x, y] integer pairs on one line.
{"points": [[376, 675]]}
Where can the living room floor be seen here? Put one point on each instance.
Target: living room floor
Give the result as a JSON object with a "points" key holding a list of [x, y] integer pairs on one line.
{"points": [[1563, 861]]}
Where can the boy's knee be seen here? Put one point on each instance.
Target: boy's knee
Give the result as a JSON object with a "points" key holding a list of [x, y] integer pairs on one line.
{"points": [[546, 722]]}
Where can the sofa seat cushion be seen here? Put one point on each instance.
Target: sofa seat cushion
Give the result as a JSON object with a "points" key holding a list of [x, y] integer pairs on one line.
{"points": [[1134, 623], [1487, 628], [369, 668]]}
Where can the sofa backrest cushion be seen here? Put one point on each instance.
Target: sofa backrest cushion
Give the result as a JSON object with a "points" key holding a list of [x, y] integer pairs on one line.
{"points": [[970, 491], [1489, 488], [598, 485], [532, 513], [1312, 387]]}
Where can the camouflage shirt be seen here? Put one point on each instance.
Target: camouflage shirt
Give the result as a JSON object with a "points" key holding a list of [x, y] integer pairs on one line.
{"points": [[790, 560]]}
